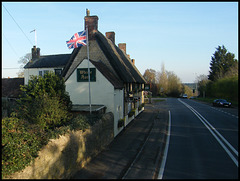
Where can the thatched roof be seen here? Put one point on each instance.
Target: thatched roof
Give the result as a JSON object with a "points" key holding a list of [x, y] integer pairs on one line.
{"points": [[115, 81], [116, 62]]}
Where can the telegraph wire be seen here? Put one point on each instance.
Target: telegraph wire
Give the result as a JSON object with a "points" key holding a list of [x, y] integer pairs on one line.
{"points": [[18, 25], [10, 45]]}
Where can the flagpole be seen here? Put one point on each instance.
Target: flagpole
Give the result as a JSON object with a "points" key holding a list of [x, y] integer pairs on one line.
{"points": [[90, 106], [36, 37]]}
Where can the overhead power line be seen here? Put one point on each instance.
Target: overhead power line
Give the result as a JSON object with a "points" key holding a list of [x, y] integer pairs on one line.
{"points": [[10, 45], [18, 25]]}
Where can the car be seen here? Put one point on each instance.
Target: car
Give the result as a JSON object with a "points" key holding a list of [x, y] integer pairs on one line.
{"points": [[184, 96], [221, 102]]}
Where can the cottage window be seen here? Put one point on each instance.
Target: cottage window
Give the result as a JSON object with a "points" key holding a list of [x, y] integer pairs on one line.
{"points": [[42, 72], [58, 72], [45, 72]]}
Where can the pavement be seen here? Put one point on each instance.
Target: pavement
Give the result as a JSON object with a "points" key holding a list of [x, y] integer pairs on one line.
{"points": [[115, 159]]}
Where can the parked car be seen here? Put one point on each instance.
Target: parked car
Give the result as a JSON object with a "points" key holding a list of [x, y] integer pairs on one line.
{"points": [[184, 96], [221, 102]]}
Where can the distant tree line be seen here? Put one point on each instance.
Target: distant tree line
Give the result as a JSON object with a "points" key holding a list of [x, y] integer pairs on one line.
{"points": [[165, 83], [222, 81]]}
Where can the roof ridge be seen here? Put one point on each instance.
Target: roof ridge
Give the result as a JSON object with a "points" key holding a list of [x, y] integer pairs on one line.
{"points": [[134, 71], [114, 58]]}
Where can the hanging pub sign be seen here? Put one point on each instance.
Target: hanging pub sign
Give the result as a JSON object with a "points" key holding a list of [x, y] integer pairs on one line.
{"points": [[82, 75]]}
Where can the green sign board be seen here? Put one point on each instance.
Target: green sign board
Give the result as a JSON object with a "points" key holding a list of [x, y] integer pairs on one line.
{"points": [[82, 75]]}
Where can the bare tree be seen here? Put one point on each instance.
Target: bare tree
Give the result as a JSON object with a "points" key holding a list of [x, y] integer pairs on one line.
{"points": [[202, 81], [23, 61], [162, 81]]}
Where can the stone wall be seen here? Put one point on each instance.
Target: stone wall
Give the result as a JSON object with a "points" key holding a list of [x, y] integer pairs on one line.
{"points": [[61, 158]]}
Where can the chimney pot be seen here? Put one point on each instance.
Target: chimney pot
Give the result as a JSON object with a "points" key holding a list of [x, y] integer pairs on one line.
{"points": [[122, 46], [88, 12], [133, 61], [111, 35]]}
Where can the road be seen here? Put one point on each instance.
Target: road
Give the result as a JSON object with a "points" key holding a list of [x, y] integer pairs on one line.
{"points": [[203, 142], [172, 139]]}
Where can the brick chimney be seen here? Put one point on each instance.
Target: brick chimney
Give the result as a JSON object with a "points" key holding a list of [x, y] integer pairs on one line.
{"points": [[35, 53], [122, 46], [111, 35], [92, 23]]}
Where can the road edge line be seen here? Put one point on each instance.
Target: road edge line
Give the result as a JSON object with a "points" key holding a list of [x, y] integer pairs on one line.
{"points": [[162, 167]]}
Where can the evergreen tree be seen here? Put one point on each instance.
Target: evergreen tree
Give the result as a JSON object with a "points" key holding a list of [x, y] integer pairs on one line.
{"points": [[221, 63], [44, 101]]}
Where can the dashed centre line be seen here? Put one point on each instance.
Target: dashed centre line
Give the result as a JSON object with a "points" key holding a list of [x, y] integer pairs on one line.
{"points": [[225, 112]]}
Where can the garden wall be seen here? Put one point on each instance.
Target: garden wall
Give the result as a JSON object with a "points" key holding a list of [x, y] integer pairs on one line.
{"points": [[61, 158]]}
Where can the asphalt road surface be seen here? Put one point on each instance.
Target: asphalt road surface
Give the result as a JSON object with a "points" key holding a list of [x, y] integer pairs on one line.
{"points": [[203, 142], [172, 139]]}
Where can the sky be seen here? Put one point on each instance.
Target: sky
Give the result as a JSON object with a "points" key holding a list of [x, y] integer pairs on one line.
{"points": [[182, 36]]}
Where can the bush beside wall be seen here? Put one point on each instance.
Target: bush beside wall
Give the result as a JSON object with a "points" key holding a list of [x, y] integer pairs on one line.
{"points": [[61, 158]]}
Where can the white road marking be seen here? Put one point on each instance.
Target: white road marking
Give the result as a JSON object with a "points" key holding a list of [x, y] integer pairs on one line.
{"points": [[211, 129], [224, 112], [161, 171]]}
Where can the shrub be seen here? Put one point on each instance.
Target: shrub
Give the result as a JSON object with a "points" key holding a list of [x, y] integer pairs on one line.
{"points": [[44, 101], [21, 141], [79, 122], [49, 84], [47, 112], [19, 145]]}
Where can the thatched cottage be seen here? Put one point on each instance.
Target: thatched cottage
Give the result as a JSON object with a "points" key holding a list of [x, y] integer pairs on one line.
{"points": [[116, 83]]}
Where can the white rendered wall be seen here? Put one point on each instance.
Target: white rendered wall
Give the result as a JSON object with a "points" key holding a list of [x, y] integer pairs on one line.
{"points": [[118, 113], [102, 91]]}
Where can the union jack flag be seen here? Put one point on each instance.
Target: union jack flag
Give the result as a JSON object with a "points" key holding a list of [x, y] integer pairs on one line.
{"points": [[77, 40]]}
